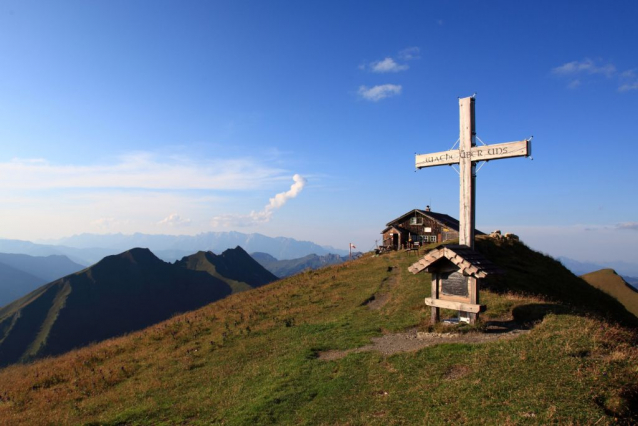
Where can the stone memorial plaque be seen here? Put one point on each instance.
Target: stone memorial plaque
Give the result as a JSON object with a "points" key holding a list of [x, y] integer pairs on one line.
{"points": [[454, 284]]}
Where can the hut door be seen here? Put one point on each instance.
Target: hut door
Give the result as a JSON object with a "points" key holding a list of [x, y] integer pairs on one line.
{"points": [[395, 241]]}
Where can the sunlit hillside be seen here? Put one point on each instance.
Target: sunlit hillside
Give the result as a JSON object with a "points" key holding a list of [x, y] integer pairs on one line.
{"points": [[350, 344]]}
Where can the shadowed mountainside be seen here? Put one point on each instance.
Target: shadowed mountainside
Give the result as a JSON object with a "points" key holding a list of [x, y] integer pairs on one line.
{"points": [[235, 266], [533, 273], [119, 294]]}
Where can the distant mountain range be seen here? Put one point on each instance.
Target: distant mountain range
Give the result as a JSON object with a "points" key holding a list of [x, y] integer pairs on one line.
{"points": [[83, 257], [633, 281], [285, 268], [21, 273], [88, 249], [48, 268], [119, 294], [279, 247], [579, 268]]}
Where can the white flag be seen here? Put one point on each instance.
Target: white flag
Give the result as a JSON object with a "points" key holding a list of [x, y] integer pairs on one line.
{"points": [[352, 246]]}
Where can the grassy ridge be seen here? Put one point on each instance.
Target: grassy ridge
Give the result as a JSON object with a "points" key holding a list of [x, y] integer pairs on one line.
{"points": [[234, 266], [613, 284], [252, 358]]}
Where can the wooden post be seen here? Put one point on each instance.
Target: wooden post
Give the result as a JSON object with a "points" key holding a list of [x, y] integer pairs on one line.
{"points": [[435, 312], [467, 168], [474, 297]]}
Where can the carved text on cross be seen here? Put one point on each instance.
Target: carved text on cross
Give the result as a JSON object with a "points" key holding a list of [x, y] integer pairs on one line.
{"points": [[466, 157]]}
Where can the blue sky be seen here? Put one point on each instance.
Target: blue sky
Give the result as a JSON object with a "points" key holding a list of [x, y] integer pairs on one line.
{"points": [[186, 117]]}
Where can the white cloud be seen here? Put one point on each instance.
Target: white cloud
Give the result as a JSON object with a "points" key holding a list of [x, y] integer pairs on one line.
{"points": [[586, 66], [174, 220], [139, 170], [411, 53], [628, 86], [577, 71], [108, 223], [629, 81], [379, 92], [43, 199], [36, 215], [263, 216], [387, 65], [574, 84], [628, 225]]}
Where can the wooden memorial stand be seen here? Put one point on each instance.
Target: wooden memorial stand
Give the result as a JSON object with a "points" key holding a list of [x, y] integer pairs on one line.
{"points": [[456, 273]]}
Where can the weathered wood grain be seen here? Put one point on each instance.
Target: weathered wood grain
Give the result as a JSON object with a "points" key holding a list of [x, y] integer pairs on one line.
{"points": [[467, 133], [458, 306], [499, 150]]}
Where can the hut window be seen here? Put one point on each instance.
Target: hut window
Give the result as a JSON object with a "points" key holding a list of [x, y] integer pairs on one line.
{"points": [[427, 229], [416, 221]]}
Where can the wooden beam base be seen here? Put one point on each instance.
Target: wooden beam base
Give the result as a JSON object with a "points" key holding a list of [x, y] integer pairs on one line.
{"points": [[458, 306]]}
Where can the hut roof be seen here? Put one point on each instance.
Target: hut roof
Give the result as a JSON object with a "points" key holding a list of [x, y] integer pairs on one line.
{"points": [[395, 227], [469, 262]]}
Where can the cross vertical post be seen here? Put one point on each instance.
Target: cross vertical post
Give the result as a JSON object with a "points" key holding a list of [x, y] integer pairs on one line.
{"points": [[467, 140]]}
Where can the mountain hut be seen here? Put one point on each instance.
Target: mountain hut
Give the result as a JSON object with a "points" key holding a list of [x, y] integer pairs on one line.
{"points": [[419, 227]]}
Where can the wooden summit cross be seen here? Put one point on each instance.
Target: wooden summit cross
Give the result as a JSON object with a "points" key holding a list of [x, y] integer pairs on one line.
{"points": [[456, 270], [466, 157]]}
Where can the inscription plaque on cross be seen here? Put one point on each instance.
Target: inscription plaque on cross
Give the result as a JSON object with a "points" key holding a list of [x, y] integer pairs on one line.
{"points": [[458, 288], [466, 157]]}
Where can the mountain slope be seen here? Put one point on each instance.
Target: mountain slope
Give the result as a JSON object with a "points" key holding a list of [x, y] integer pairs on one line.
{"points": [[286, 268], [611, 283], [253, 357], [15, 283], [119, 294], [234, 266], [48, 268]]}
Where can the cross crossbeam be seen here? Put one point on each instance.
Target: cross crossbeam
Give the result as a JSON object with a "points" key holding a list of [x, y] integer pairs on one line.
{"points": [[477, 153]]}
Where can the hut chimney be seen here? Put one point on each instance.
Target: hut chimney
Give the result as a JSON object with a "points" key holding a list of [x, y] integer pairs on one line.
{"points": [[427, 208]]}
